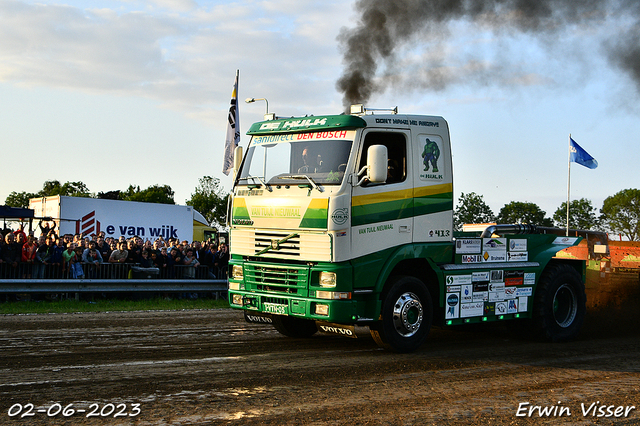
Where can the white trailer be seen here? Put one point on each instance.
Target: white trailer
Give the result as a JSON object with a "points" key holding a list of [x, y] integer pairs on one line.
{"points": [[75, 215]]}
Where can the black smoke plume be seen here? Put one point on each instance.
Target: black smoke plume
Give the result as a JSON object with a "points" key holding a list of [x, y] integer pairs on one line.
{"points": [[374, 59]]}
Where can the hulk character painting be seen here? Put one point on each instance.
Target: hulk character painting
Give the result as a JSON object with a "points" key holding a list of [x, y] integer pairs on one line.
{"points": [[430, 154]]}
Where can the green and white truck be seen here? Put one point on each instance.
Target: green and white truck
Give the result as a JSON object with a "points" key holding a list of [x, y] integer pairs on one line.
{"points": [[346, 220]]}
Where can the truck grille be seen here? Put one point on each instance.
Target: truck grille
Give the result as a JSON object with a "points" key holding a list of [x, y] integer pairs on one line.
{"points": [[272, 279], [290, 247], [307, 246]]}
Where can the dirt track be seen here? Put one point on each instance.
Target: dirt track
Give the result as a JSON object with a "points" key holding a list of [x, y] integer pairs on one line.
{"points": [[210, 367]]}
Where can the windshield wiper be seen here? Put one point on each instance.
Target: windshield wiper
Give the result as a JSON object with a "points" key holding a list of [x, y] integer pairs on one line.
{"points": [[259, 179], [311, 181]]}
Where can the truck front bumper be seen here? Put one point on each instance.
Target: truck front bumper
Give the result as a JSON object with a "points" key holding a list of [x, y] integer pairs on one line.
{"points": [[295, 290], [338, 311]]}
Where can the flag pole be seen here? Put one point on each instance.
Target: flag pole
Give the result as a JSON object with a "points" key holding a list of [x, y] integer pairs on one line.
{"points": [[568, 185]]}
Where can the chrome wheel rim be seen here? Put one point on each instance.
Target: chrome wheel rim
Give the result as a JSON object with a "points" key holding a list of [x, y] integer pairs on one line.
{"points": [[407, 314]]}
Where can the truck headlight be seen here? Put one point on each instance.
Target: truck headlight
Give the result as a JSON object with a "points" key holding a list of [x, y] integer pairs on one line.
{"points": [[327, 279], [236, 299], [322, 309], [236, 272]]}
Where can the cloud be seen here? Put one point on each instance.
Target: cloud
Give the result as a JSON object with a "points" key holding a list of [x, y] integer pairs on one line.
{"points": [[172, 51]]}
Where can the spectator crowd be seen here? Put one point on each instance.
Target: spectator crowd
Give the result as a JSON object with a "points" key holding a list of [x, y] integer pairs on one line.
{"points": [[98, 256]]}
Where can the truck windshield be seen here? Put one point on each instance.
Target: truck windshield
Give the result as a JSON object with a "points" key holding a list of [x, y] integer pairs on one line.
{"points": [[293, 158]]}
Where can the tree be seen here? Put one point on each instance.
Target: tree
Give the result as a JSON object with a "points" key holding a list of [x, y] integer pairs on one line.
{"points": [[523, 213], [472, 209], [49, 188], [581, 215], [69, 189], [210, 200], [19, 199], [621, 213], [109, 195], [153, 194]]}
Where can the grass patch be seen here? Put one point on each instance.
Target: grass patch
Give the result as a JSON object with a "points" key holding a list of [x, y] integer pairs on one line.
{"points": [[110, 305]]}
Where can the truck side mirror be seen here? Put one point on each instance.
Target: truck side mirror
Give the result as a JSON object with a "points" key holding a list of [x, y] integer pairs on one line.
{"points": [[377, 157], [376, 168], [237, 159]]}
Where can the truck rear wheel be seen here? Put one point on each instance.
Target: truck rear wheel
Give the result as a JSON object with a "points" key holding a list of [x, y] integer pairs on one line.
{"points": [[407, 313], [294, 327], [560, 303]]}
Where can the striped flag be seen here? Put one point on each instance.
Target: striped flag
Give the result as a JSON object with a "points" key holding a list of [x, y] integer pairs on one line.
{"points": [[233, 130]]}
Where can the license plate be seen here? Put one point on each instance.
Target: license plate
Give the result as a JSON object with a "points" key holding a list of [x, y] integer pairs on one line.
{"points": [[274, 308]]}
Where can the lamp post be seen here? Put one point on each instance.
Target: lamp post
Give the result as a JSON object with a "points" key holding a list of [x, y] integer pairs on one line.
{"points": [[252, 100], [267, 116]]}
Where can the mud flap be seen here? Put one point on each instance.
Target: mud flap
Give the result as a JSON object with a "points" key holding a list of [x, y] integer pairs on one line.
{"points": [[257, 318], [339, 329]]}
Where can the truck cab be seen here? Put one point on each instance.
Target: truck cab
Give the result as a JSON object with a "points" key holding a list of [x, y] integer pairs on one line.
{"points": [[344, 220]]}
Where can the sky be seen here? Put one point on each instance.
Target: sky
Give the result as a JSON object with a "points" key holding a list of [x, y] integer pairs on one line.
{"points": [[113, 93]]}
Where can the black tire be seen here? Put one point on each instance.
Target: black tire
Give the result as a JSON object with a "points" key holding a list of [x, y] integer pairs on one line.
{"points": [[407, 313], [294, 327], [560, 303]]}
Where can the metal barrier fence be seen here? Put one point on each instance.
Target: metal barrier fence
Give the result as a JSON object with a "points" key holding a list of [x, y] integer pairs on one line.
{"points": [[108, 271], [110, 278]]}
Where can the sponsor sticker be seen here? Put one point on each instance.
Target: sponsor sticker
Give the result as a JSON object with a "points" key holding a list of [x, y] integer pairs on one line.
{"points": [[466, 295], [468, 246], [496, 292], [453, 289], [510, 292], [471, 309], [478, 287], [494, 244], [496, 276], [518, 256], [480, 296], [529, 278], [494, 249], [512, 306], [489, 308], [453, 306], [518, 244], [458, 279], [524, 291], [471, 258], [501, 308], [480, 276], [565, 241], [513, 277], [494, 256], [496, 296], [522, 307], [496, 287]]}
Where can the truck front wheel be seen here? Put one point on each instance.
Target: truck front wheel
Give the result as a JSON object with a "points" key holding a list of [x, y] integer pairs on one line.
{"points": [[560, 303], [294, 327], [407, 313]]}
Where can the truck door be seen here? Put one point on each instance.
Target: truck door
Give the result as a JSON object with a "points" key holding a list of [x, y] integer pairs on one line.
{"points": [[382, 214], [433, 188]]}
